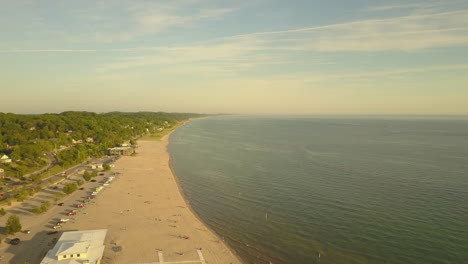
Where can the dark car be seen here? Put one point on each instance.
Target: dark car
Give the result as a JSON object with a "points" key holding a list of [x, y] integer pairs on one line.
{"points": [[82, 188], [52, 232], [93, 180], [60, 204], [15, 241], [101, 174]]}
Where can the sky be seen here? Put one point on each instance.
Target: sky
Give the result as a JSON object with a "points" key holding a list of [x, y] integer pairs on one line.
{"points": [[301, 57]]}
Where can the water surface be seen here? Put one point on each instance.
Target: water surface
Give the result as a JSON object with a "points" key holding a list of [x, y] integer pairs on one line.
{"points": [[329, 190]]}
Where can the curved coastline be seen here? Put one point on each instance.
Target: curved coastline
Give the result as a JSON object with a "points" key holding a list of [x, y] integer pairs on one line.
{"points": [[144, 210], [189, 205]]}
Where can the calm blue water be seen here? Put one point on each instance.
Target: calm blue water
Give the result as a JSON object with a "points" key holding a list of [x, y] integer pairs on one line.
{"points": [[318, 190]]}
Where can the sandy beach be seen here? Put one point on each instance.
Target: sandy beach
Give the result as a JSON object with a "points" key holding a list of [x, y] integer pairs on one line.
{"points": [[146, 216]]}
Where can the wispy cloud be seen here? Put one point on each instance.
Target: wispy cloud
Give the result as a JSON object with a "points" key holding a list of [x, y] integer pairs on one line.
{"points": [[158, 16], [404, 33]]}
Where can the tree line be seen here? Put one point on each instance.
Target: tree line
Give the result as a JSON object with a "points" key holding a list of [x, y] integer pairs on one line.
{"points": [[25, 138]]}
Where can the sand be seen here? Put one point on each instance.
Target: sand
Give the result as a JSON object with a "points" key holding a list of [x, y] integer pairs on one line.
{"points": [[144, 212]]}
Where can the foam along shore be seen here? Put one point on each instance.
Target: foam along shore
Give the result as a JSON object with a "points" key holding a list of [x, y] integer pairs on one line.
{"points": [[147, 217]]}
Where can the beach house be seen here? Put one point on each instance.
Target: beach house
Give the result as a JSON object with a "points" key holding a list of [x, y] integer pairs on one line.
{"points": [[97, 166], [120, 151], [77, 247]]}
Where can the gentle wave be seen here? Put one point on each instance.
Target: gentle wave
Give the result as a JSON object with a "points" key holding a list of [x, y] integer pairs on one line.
{"points": [[329, 191]]}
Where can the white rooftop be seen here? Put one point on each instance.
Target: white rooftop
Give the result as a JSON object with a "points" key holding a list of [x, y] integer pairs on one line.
{"points": [[120, 148], [78, 242], [73, 248]]}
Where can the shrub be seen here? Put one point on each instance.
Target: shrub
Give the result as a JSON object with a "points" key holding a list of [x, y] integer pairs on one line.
{"points": [[87, 176], [42, 209], [69, 188], [79, 182], [36, 210], [2, 212], [13, 225], [58, 196]]}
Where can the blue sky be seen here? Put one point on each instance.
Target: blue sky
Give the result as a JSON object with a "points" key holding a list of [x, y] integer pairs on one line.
{"points": [[250, 57]]}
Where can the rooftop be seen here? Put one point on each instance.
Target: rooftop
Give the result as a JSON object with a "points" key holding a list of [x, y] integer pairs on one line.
{"points": [[88, 243]]}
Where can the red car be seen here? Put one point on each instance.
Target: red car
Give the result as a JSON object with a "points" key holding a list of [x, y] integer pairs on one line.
{"points": [[80, 206], [71, 213]]}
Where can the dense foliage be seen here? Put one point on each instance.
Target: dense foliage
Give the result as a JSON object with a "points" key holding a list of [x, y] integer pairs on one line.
{"points": [[41, 209], [69, 188], [13, 225], [73, 136]]}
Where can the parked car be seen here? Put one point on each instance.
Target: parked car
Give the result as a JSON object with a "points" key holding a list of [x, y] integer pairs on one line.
{"points": [[82, 188], [101, 174], [52, 232], [27, 231], [80, 206], [57, 227], [71, 213], [93, 180], [15, 241], [64, 220], [60, 204]]}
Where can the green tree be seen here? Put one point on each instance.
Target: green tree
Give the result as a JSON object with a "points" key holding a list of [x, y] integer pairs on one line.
{"points": [[79, 182], [21, 195], [2, 212], [87, 176], [45, 206], [107, 167], [13, 225], [69, 188], [94, 173]]}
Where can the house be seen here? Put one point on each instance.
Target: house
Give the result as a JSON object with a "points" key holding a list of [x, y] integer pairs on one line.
{"points": [[126, 144], [77, 247], [96, 166], [89, 140], [5, 159], [120, 151], [2, 173]]}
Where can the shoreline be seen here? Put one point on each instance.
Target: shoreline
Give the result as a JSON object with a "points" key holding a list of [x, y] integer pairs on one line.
{"points": [[144, 209], [187, 201]]}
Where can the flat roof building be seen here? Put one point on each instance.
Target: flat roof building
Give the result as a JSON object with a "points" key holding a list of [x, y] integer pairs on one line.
{"points": [[77, 247], [119, 151]]}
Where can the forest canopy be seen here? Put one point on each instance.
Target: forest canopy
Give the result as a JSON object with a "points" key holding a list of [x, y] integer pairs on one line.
{"points": [[26, 138]]}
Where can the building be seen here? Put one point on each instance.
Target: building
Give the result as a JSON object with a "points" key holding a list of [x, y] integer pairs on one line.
{"points": [[79, 141], [125, 144], [96, 166], [2, 173], [5, 159], [119, 151], [77, 247]]}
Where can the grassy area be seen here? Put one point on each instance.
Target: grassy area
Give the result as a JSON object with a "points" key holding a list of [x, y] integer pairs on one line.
{"points": [[51, 172], [157, 136]]}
